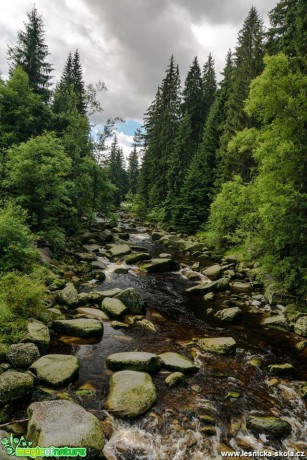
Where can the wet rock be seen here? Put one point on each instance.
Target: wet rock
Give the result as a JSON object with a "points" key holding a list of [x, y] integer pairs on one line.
{"points": [[63, 423], [207, 419], [23, 354], [118, 325], [177, 362], [146, 324], [124, 236], [277, 322], [229, 315], [165, 255], [240, 287], [15, 386], [209, 296], [55, 370], [300, 346], [176, 379], [81, 327], [109, 293], [37, 333], [68, 296], [303, 389], [134, 361], [193, 276], [93, 313], [134, 258], [132, 300], [160, 265], [300, 327], [121, 270], [113, 307], [118, 250], [98, 275], [281, 369], [214, 272], [131, 394], [218, 345], [274, 426], [155, 236], [98, 265], [213, 286]]}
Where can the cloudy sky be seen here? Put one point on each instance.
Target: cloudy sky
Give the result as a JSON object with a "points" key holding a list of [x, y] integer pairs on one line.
{"points": [[127, 43]]}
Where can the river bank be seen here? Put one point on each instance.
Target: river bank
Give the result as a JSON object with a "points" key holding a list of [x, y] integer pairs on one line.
{"points": [[174, 304]]}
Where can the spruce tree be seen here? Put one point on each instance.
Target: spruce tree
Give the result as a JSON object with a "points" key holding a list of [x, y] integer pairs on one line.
{"points": [[31, 54], [133, 170], [209, 88], [116, 172], [248, 64], [79, 86]]}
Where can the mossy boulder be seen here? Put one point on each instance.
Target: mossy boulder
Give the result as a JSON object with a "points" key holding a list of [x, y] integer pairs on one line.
{"points": [[277, 322], [274, 426], [132, 300], [92, 313], [68, 296], [62, 423], [55, 370], [176, 379], [160, 265], [218, 345], [118, 250], [240, 287], [15, 386], [37, 333], [134, 258], [213, 272], [213, 286], [113, 307], [177, 362], [131, 394], [23, 354], [81, 327], [229, 315], [134, 361], [300, 327]]}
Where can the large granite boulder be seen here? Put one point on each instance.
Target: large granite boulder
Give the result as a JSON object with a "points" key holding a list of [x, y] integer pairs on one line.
{"points": [[132, 300], [274, 426], [64, 424], [80, 327], [218, 345], [23, 354], [56, 370], [160, 265], [131, 394], [113, 307], [177, 362], [15, 386], [134, 361], [38, 333]]}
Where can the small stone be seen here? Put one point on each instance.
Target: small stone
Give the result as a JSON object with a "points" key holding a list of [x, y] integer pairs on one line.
{"points": [[209, 296], [175, 379], [118, 325], [232, 395], [146, 324], [218, 345], [113, 307], [281, 369], [177, 362]]}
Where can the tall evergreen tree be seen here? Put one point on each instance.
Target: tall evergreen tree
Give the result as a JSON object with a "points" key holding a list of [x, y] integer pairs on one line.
{"points": [[31, 54], [133, 170], [288, 30], [78, 82], [116, 172], [248, 64], [209, 88]]}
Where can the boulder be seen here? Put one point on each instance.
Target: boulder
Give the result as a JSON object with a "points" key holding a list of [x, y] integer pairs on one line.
{"points": [[134, 361], [218, 345], [118, 250], [93, 313], [214, 272], [274, 426], [23, 354], [15, 386], [113, 307], [281, 369], [160, 265], [146, 324], [109, 293], [56, 370], [213, 286], [132, 300], [134, 258], [63, 423], [300, 327], [165, 255], [177, 362], [229, 315], [240, 287], [176, 379], [155, 236], [68, 296], [38, 333], [278, 322], [131, 394], [80, 327]]}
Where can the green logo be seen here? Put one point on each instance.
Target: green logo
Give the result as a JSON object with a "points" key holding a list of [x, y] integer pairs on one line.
{"points": [[22, 448]]}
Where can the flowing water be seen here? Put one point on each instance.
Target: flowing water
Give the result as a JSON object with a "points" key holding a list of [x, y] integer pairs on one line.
{"points": [[171, 430]]}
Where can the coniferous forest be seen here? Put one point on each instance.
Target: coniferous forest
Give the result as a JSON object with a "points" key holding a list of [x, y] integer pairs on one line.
{"points": [[186, 256]]}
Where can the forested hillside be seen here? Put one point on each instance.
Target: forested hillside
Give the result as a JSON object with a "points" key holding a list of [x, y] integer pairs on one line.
{"points": [[229, 158]]}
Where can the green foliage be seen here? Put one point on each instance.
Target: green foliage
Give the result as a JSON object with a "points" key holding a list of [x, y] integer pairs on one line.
{"points": [[16, 242], [22, 295], [157, 214], [36, 175]]}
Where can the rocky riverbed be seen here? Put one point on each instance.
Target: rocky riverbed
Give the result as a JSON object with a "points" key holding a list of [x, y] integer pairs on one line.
{"points": [[151, 349]]}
